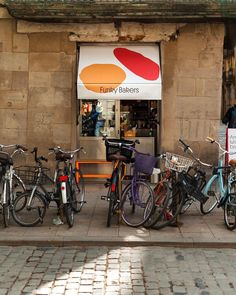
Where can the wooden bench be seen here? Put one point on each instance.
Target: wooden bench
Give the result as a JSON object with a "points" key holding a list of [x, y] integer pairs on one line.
{"points": [[78, 164]]}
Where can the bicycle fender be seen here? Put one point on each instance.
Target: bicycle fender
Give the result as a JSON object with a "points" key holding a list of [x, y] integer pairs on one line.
{"points": [[209, 183]]}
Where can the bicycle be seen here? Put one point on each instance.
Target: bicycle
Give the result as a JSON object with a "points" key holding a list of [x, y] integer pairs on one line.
{"points": [[11, 182], [38, 197], [70, 189], [76, 179], [116, 153], [137, 200], [218, 193], [170, 192]]}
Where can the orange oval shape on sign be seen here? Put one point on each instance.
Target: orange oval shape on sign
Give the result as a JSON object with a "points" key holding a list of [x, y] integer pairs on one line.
{"points": [[102, 78]]}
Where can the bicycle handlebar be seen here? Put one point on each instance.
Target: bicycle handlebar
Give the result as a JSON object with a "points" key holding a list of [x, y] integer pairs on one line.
{"points": [[58, 149], [224, 151], [18, 148], [187, 148], [36, 158]]}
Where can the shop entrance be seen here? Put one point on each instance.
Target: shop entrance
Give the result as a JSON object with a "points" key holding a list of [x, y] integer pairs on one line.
{"points": [[119, 94], [129, 119]]}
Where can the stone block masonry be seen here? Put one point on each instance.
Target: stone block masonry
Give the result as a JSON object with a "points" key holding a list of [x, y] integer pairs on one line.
{"points": [[38, 78]]}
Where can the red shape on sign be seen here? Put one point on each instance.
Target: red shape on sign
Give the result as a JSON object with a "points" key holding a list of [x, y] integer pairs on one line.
{"points": [[137, 63]]}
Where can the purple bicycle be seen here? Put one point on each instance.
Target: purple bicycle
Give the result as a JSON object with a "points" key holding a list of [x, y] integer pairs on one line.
{"points": [[137, 201]]}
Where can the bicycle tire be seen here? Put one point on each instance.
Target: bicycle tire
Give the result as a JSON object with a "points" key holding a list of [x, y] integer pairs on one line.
{"points": [[78, 190], [187, 204], [172, 209], [29, 216], [230, 208], [110, 207], [161, 195], [68, 209], [18, 188], [128, 208], [5, 206], [213, 199]]}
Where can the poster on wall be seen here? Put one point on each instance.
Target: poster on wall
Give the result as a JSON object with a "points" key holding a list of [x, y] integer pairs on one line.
{"points": [[119, 72], [231, 143]]}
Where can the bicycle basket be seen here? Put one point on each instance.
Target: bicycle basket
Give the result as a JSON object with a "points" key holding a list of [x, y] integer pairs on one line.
{"points": [[177, 163], [144, 163], [29, 174], [114, 145], [191, 187]]}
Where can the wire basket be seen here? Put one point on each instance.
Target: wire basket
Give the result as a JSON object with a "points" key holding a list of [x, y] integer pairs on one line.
{"points": [[29, 174], [144, 163], [177, 163], [192, 186], [117, 145]]}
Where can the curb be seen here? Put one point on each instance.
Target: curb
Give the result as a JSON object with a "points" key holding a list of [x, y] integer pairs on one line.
{"points": [[117, 243]]}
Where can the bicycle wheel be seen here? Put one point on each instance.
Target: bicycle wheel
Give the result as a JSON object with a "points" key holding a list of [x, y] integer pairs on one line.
{"points": [[78, 190], [136, 210], [18, 188], [112, 198], [230, 208], [29, 214], [112, 195], [171, 209], [213, 194], [161, 195], [68, 209], [6, 203]]}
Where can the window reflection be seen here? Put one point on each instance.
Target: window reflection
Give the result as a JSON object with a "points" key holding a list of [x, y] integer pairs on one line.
{"points": [[98, 117]]}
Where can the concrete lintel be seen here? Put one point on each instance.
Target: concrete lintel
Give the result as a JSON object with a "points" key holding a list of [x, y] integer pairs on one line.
{"points": [[105, 32]]}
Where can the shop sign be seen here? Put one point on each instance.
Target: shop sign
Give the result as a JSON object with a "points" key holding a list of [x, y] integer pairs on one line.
{"points": [[119, 72]]}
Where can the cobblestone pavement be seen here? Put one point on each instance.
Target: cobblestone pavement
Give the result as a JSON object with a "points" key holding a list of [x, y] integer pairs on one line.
{"points": [[117, 271]]}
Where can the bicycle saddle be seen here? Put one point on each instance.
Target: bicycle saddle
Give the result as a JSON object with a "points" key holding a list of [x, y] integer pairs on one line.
{"points": [[63, 157], [232, 162], [5, 159]]}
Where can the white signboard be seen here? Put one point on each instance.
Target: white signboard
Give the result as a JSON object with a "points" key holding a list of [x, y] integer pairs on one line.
{"points": [[121, 72], [231, 142]]}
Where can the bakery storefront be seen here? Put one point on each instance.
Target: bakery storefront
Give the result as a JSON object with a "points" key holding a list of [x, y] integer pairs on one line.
{"points": [[119, 94]]}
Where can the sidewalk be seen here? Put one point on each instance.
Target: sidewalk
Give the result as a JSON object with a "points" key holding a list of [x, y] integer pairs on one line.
{"points": [[90, 229]]}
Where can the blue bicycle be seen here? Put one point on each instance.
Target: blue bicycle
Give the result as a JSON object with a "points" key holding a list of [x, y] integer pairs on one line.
{"points": [[220, 193]]}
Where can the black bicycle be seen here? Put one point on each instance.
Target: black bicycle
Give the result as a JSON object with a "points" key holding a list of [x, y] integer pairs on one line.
{"points": [[71, 184], [116, 153], [39, 197]]}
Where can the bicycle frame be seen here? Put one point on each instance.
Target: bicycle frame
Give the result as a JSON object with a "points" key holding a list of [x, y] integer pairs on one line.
{"points": [[47, 195], [220, 183]]}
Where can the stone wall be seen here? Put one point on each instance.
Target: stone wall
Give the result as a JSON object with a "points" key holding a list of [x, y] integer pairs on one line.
{"points": [[38, 76], [37, 92], [192, 83]]}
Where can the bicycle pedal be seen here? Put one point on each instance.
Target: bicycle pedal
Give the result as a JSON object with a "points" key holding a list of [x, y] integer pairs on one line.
{"points": [[104, 198], [107, 184]]}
